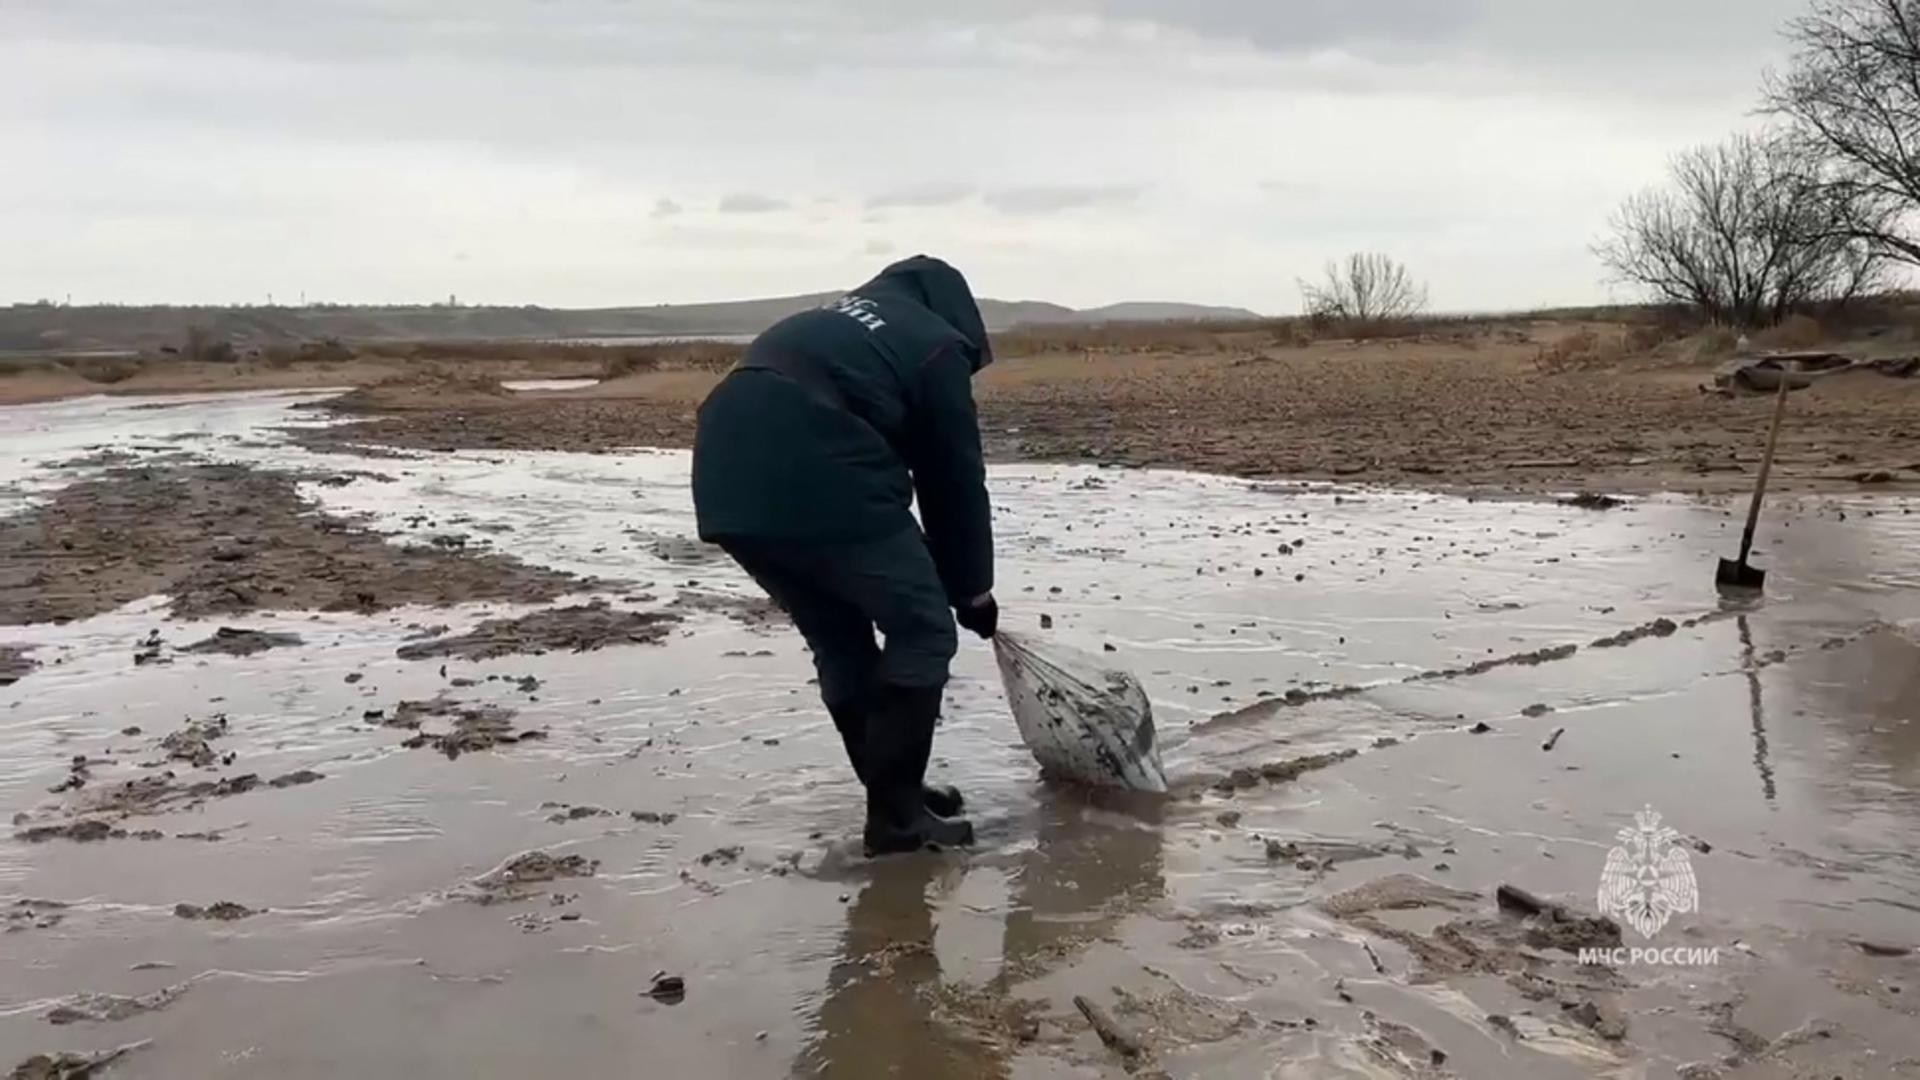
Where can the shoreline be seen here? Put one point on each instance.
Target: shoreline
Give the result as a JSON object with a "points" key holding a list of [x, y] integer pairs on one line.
{"points": [[1476, 412]]}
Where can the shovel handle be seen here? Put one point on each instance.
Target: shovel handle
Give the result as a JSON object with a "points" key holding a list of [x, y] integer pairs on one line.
{"points": [[1766, 467]]}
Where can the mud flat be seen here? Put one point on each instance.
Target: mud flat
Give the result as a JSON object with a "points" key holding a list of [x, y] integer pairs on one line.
{"points": [[667, 870], [223, 540], [1472, 410]]}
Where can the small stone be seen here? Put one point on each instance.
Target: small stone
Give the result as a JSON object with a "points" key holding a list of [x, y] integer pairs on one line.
{"points": [[1480, 728], [668, 989]]}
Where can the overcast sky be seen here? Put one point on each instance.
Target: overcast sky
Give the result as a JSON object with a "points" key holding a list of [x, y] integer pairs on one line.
{"points": [[603, 152]]}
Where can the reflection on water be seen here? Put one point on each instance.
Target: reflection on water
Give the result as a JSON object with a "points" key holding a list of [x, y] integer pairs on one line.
{"points": [[1094, 858], [1748, 662], [877, 1016]]}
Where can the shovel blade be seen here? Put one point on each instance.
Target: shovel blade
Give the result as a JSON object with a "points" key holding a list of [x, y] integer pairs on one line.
{"points": [[1734, 574]]}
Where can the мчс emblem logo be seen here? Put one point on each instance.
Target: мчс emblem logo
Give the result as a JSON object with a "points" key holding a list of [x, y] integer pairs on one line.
{"points": [[1648, 878]]}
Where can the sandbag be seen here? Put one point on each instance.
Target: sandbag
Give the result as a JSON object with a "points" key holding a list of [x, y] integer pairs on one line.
{"points": [[1083, 720]]}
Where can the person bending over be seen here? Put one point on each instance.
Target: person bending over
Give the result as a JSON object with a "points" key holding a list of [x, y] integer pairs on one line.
{"points": [[807, 459]]}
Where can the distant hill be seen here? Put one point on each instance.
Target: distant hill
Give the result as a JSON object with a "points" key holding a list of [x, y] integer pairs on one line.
{"points": [[1148, 311], [48, 326]]}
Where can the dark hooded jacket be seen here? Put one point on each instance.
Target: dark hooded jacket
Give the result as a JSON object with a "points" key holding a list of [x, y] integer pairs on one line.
{"points": [[839, 417]]}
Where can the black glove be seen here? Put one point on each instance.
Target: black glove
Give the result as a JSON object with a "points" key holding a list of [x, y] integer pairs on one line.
{"points": [[982, 616]]}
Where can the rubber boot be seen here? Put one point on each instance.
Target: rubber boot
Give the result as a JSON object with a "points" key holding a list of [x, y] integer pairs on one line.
{"points": [[850, 720], [899, 741]]}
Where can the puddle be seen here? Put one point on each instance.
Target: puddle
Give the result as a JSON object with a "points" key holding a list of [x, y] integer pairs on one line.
{"points": [[524, 385], [1780, 735]]}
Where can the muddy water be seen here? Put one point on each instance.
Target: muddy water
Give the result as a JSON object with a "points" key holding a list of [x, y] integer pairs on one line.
{"points": [[1780, 735]]}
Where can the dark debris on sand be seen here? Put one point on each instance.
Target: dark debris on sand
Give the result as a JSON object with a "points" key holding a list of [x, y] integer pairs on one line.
{"points": [[569, 629]]}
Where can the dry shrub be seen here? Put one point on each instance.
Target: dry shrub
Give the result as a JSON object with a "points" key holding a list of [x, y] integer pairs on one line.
{"points": [[1646, 338], [1116, 337], [1715, 343], [329, 351], [1293, 333], [701, 355], [396, 392], [626, 362], [1410, 328], [106, 370], [669, 356], [1580, 349], [1798, 332]]}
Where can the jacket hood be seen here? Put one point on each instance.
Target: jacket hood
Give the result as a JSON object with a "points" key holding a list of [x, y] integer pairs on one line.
{"points": [[942, 290]]}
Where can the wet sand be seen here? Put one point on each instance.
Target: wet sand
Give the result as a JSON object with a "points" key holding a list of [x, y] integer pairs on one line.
{"points": [[225, 539], [1478, 413], [1355, 688]]}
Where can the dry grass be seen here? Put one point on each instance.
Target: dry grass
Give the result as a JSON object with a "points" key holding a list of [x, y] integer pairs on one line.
{"points": [[1113, 338], [282, 357], [689, 355], [1715, 343], [105, 370], [1797, 332]]}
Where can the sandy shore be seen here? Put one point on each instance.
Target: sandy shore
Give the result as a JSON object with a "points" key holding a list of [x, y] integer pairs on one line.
{"points": [[1475, 413]]}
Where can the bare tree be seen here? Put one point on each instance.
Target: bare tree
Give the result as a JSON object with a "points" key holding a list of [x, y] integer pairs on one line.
{"points": [[1852, 93], [1365, 287], [1745, 231]]}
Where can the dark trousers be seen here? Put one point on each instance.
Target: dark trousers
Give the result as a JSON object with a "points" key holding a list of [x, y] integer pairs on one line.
{"points": [[839, 594]]}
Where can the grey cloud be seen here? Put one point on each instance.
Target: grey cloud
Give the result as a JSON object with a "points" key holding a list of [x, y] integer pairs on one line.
{"points": [[1054, 198], [747, 202], [825, 34], [1306, 25], [922, 196], [551, 122], [1521, 33], [878, 247]]}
